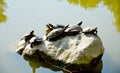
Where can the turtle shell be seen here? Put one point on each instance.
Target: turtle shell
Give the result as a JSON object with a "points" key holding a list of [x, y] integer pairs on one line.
{"points": [[35, 41], [59, 26], [50, 27], [90, 30], [56, 32], [27, 37], [74, 29]]}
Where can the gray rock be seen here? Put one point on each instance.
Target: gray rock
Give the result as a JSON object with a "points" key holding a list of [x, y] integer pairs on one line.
{"points": [[79, 49]]}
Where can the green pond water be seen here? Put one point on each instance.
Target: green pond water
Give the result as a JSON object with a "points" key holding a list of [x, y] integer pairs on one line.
{"points": [[18, 17]]}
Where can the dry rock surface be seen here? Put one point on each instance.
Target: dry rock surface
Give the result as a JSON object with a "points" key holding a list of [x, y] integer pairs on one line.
{"points": [[83, 49]]}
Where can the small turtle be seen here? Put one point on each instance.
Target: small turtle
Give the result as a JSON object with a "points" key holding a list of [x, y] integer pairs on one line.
{"points": [[92, 30], [24, 41], [32, 47], [27, 37], [74, 29], [35, 41], [57, 32], [50, 27]]}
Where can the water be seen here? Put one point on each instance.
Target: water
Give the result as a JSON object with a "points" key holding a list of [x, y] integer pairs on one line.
{"points": [[21, 16]]}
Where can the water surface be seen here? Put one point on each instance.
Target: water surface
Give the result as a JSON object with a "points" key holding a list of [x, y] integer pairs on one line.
{"points": [[22, 16]]}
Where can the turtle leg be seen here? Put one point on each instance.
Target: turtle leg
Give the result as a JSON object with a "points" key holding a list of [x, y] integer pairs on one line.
{"points": [[65, 28], [95, 32], [79, 24]]}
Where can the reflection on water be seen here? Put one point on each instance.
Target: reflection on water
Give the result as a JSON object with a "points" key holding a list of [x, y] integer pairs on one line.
{"points": [[36, 61], [3, 5], [112, 5]]}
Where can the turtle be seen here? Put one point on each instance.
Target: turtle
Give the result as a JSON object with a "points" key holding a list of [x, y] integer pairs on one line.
{"points": [[35, 41], [55, 33], [50, 27], [32, 48], [27, 37], [24, 41], [92, 30], [74, 29]]}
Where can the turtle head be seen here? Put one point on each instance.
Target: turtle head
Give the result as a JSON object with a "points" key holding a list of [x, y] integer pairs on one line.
{"points": [[32, 32], [49, 28]]}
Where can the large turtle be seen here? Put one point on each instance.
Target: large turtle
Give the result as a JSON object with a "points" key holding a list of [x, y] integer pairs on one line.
{"points": [[92, 30], [55, 33], [74, 29]]}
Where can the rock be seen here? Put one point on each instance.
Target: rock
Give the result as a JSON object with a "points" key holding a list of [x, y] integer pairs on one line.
{"points": [[81, 51]]}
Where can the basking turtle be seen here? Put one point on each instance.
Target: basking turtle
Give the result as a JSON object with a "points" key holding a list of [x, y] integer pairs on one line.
{"points": [[35, 41], [92, 30], [24, 41], [74, 29], [27, 37], [50, 27], [55, 33]]}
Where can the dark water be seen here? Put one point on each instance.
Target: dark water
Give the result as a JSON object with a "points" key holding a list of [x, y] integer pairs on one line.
{"points": [[18, 17]]}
